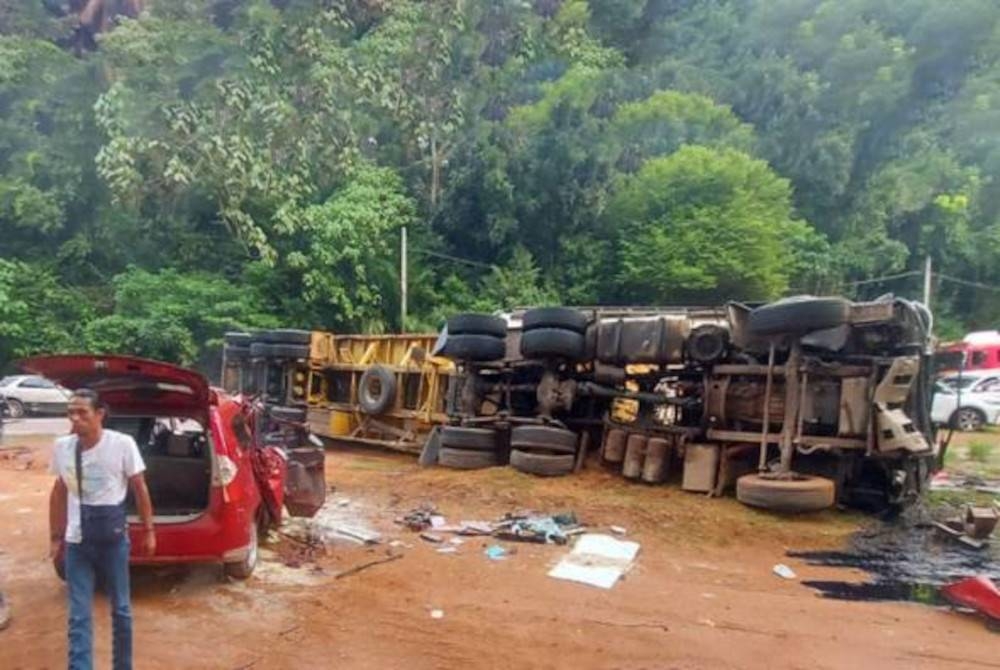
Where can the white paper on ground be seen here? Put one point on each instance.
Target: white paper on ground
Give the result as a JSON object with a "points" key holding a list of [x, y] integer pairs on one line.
{"points": [[598, 560]]}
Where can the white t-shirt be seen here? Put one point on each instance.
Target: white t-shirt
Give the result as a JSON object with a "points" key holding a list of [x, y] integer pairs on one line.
{"points": [[107, 467]]}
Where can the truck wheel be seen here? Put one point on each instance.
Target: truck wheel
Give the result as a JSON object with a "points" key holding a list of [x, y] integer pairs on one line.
{"points": [[552, 343], [543, 439], [285, 336], [473, 439], [260, 350], [799, 314], [467, 459], [282, 350], [243, 569], [968, 420], [801, 494], [477, 324], [238, 339], [545, 465], [376, 390], [474, 347], [564, 318]]}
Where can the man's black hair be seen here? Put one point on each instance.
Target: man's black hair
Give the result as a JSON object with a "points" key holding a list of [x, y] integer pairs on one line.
{"points": [[92, 398]]}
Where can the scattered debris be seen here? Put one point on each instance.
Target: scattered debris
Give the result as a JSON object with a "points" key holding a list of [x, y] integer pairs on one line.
{"points": [[360, 534], [418, 519], [948, 531], [447, 550], [437, 614], [437, 521], [456, 541], [618, 530], [364, 566], [598, 560], [979, 594], [540, 529], [432, 537], [979, 522], [495, 552], [784, 571], [343, 502]]}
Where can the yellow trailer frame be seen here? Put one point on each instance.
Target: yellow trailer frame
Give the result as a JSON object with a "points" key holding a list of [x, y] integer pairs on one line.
{"points": [[331, 379]]}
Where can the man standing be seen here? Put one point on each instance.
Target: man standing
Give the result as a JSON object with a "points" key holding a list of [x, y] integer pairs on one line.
{"points": [[94, 468]]}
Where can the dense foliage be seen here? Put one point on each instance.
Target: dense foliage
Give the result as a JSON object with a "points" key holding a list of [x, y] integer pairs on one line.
{"points": [[171, 169]]}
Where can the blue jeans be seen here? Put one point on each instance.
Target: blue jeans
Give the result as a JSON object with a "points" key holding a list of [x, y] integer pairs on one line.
{"points": [[85, 565]]}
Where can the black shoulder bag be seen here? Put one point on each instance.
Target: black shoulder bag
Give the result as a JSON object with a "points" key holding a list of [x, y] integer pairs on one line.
{"points": [[99, 524]]}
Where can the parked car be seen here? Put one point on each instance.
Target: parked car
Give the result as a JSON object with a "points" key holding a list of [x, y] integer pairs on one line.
{"points": [[32, 394], [968, 401], [218, 467]]}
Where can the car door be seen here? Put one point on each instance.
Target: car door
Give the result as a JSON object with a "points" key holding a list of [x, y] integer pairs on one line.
{"points": [[943, 404]]}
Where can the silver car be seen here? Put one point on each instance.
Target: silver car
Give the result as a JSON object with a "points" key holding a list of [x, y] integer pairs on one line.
{"points": [[31, 394]]}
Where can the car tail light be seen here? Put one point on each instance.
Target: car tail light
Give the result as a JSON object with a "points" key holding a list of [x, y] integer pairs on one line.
{"points": [[226, 470]]}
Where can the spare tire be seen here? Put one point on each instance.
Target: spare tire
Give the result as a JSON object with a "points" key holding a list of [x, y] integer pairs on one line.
{"points": [[474, 347], [476, 439], [799, 314], [545, 465], [477, 324], [803, 493], [467, 459], [565, 318], [542, 439], [553, 343], [376, 390]]}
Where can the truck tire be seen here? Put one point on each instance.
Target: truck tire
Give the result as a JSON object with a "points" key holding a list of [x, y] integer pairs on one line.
{"points": [[473, 439], [260, 350], [545, 465], [552, 343], [564, 318], [799, 314], [477, 324], [238, 339], [243, 569], [474, 347], [280, 350], [376, 390], [543, 439], [801, 494], [707, 344], [967, 420], [467, 459], [285, 336]]}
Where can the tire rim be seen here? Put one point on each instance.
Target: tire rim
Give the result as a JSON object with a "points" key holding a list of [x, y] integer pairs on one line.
{"points": [[968, 420], [15, 409]]}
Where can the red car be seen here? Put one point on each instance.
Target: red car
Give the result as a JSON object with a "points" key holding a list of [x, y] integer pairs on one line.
{"points": [[218, 467]]}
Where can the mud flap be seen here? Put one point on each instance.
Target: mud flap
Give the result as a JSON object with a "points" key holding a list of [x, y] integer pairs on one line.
{"points": [[305, 485]]}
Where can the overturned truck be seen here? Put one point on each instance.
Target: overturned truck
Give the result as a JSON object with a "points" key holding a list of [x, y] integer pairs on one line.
{"points": [[799, 404]]}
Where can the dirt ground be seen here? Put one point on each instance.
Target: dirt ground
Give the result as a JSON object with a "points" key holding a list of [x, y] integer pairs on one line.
{"points": [[701, 595]]}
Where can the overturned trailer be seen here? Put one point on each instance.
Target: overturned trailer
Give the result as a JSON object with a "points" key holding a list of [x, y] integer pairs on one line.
{"points": [[799, 403]]}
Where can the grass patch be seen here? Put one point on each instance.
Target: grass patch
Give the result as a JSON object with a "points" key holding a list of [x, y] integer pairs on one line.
{"points": [[980, 452], [959, 497]]}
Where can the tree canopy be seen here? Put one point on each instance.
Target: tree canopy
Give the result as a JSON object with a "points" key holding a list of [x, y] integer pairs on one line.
{"points": [[172, 169]]}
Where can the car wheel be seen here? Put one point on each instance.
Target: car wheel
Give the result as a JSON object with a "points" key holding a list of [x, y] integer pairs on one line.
{"points": [[477, 324], [15, 408], [799, 494], [968, 420], [243, 569], [799, 314]]}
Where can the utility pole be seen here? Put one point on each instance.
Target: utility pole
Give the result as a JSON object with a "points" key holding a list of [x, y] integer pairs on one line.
{"points": [[402, 281], [927, 282]]}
